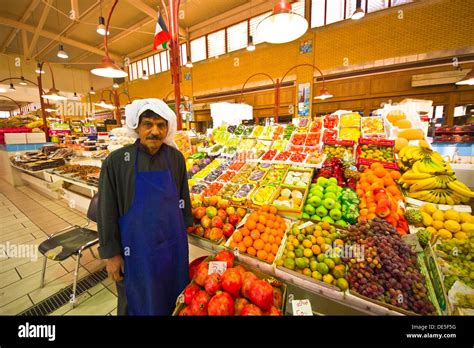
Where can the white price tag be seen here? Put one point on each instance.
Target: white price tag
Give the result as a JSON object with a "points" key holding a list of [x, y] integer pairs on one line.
{"points": [[217, 267], [306, 224], [462, 208], [301, 307]]}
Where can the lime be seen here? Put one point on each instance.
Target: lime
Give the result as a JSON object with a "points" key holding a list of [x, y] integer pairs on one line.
{"points": [[330, 263], [321, 257], [300, 263], [322, 268], [313, 265], [299, 253], [289, 263], [316, 275], [300, 238]]}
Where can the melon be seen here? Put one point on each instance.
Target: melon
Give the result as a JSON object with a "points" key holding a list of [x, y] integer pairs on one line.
{"points": [[400, 143], [403, 124], [396, 115], [411, 134]]}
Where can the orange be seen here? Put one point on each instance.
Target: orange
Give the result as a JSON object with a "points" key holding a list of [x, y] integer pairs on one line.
{"points": [[375, 165], [363, 212], [274, 232], [261, 227], [278, 240], [371, 216], [262, 254], [395, 174], [255, 234], [267, 247], [320, 241], [371, 178], [245, 231], [271, 239], [363, 205], [242, 247], [393, 190], [316, 249], [248, 241], [338, 242], [270, 223], [254, 217], [372, 209], [238, 236], [325, 225], [259, 244], [273, 210], [270, 258], [250, 224], [251, 251], [380, 172], [276, 225], [262, 219], [280, 233], [233, 244], [271, 217], [264, 237], [275, 248], [267, 230], [266, 208]]}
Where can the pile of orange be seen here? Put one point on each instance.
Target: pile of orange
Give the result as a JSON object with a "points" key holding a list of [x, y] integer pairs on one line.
{"points": [[261, 234], [373, 178]]}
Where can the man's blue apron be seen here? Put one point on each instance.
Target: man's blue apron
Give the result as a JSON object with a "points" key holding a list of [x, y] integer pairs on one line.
{"points": [[155, 244]]}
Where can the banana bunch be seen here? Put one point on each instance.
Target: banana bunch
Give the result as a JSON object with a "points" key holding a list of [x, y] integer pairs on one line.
{"points": [[430, 179], [411, 154]]}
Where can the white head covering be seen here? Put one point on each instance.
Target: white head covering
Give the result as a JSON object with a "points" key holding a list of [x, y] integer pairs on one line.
{"points": [[137, 107]]}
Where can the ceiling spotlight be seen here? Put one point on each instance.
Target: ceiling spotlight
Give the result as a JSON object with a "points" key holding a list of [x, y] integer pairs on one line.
{"points": [[251, 46], [115, 85], [92, 91], [359, 12], [189, 63], [108, 68], [39, 69], [12, 88], [53, 94], [22, 82], [144, 76], [101, 27], [61, 53], [75, 97]]}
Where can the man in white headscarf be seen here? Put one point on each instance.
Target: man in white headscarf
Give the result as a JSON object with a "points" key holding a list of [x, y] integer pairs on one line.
{"points": [[144, 209]]}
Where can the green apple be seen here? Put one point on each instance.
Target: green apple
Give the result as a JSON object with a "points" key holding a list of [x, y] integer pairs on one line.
{"points": [[315, 217], [338, 206], [335, 214], [341, 223], [321, 211], [322, 181], [315, 201], [328, 203], [328, 219], [333, 180], [331, 188], [309, 209], [320, 194], [305, 216]]}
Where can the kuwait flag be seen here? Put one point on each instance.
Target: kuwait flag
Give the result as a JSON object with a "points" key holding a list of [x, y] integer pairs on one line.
{"points": [[162, 36]]}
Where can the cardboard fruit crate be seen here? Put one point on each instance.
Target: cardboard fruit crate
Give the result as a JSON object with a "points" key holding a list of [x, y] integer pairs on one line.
{"points": [[381, 143]]}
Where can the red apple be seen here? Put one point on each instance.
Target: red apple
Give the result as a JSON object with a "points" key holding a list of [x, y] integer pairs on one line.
{"points": [[199, 231], [199, 213], [222, 214], [228, 229], [217, 222], [234, 219], [190, 229], [206, 222]]}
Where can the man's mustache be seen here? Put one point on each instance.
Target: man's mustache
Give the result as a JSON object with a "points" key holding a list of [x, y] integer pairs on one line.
{"points": [[153, 137]]}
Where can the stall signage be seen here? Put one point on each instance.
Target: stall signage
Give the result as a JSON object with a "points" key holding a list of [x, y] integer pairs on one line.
{"points": [[302, 307], [217, 267]]}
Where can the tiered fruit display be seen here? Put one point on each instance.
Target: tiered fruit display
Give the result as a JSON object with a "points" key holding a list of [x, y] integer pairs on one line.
{"points": [[379, 153], [275, 174], [428, 178], [383, 267], [455, 258], [289, 198], [214, 218], [322, 202], [446, 224], [314, 251], [379, 197], [261, 234], [235, 292]]}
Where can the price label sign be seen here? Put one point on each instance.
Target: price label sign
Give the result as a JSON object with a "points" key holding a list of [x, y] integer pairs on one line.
{"points": [[217, 267], [302, 308], [306, 224]]}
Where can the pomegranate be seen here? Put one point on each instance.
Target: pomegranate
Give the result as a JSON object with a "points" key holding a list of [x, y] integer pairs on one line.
{"points": [[239, 304], [261, 294], [241, 269], [247, 280], [226, 256], [201, 273], [273, 311], [186, 312], [232, 281], [200, 302], [189, 292], [221, 304], [277, 297], [250, 309], [212, 283]]}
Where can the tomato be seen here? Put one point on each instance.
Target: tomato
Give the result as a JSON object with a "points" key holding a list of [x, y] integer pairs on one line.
{"points": [[221, 304]]}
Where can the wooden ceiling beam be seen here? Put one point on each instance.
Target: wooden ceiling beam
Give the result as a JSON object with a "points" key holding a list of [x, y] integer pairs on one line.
{"points": [[15, 24], [36, 33], [23, 19]]}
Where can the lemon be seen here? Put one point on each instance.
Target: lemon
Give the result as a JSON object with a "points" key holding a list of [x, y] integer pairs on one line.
{"points": [[438, 215], [307, 243], [307, 252], [327, 278], [465, 217], [445, 234], [461, 235], [428, 208], [467, 227], [427, 219], [452, 214], [432, 230], [437, 224]]}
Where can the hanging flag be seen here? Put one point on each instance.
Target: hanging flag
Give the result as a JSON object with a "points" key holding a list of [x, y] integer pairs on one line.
{"points": [[162, 36]]}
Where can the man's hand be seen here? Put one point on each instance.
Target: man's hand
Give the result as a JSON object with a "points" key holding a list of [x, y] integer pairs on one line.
{"points": [[114, 267]]}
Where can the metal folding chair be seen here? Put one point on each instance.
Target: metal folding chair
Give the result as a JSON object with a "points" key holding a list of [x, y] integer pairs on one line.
{"points": [[71, 241]]}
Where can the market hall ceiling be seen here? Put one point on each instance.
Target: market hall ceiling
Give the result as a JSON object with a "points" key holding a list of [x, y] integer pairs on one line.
{"points": [[32, 27]]}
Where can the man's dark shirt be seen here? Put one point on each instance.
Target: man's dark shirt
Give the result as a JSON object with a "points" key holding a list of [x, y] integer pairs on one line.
{"points": [[117, 186]]}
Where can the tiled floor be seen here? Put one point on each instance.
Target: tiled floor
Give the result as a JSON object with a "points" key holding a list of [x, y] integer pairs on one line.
{"points": [[27, 218]]}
